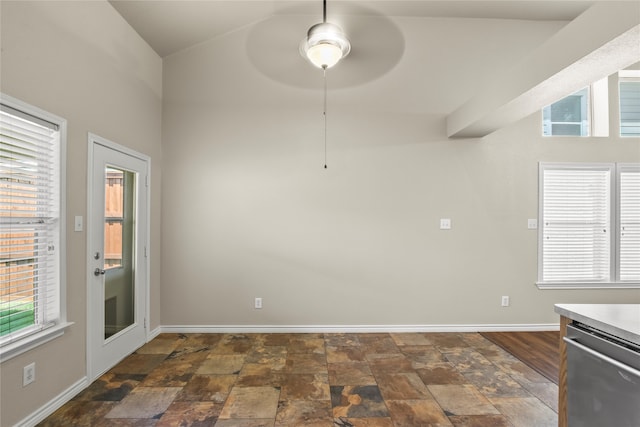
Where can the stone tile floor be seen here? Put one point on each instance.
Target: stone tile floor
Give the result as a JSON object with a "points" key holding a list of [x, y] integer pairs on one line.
{"points": [[324, 380]]}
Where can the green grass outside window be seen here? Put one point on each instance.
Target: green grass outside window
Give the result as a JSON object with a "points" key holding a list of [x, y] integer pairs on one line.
{"points": [[14, 317]]}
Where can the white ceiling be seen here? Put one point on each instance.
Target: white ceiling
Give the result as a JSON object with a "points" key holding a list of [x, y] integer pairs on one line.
{"points": [[173, 25]]}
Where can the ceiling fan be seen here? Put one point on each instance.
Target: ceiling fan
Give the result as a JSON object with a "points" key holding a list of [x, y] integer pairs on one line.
{"points": [[379, 47], [370, 40], [325, 44]]}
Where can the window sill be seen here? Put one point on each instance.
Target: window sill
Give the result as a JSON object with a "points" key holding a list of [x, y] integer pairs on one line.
{"points": [[14, 349], [587, 285]]}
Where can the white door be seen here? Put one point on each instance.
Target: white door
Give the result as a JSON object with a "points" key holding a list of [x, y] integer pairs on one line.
{"points": [[117, 266]]}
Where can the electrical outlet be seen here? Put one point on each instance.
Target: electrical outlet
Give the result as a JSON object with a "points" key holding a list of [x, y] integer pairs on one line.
{"points": [[505, 301], [532, 224], [257, 303], [445, 224], [28, 374]]}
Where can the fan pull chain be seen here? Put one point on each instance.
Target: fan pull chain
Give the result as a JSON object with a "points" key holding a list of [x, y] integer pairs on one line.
{"points": [[324, 113]]}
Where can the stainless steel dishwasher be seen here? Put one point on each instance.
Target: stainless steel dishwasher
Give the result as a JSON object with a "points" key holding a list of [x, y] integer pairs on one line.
{"points": [[603, 379]]}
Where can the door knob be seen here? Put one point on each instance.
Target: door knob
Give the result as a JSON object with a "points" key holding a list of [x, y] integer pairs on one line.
{"points": [[98, 271]]}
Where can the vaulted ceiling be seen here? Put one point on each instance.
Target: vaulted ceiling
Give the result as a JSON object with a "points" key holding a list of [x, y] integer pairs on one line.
{"points": [[170, 26], [483, 64]]}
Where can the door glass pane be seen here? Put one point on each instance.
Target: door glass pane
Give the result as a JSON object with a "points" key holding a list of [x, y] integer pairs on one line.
{"points": [[119, 243], [113, 218]]}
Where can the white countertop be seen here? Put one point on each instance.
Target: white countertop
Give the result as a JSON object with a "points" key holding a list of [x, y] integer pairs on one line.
{"points": [[620, 320]]}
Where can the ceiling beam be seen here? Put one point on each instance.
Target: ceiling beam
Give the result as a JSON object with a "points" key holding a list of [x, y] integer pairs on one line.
{"points": [[599, 42]]}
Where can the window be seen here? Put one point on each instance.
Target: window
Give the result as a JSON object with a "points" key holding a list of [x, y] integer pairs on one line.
{"points": [[629, 220], [31, 226], [584, 113], [567, 117], [590, 225], [629, 103]]}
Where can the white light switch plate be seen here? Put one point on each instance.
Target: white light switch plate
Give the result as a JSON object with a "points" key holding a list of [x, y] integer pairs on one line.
{"points": [[445, 224], [532, 224], [78, 224]]}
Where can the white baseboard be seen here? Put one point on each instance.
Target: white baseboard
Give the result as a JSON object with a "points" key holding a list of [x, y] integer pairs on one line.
{"points": [[54, 404], [154, 333], [247, 329]]}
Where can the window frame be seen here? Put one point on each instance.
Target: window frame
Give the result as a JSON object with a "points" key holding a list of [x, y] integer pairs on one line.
{"points": [[613, 281], [597, 111], [20, 343], [625, 76], [620, 169]]}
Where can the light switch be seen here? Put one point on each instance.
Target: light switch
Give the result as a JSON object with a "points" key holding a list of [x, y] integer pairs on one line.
{"points": [[445, 224], [532, 224], [78, 223]]}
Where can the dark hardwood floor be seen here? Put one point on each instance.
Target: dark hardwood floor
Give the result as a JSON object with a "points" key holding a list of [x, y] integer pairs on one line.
{"points": [[538, 350]]}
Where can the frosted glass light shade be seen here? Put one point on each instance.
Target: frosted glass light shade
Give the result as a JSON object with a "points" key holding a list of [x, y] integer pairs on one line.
{"points": [[324, 55], [325, 45]]}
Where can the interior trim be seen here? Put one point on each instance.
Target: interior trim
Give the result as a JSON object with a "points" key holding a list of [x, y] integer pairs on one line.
{"points": [[54, 404], [218, 329], [154, 333]]}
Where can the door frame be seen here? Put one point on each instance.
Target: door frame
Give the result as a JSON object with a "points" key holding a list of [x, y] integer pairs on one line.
{"points": [[93, 140]]}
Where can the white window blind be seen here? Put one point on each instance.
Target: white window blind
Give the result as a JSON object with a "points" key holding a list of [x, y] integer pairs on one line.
{"points": [[590, 225], [576, 224], [629, 256], [30, 224]]}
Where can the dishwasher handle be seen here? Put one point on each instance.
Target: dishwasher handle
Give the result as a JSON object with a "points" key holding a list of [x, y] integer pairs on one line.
{"points": [[603, 357]]}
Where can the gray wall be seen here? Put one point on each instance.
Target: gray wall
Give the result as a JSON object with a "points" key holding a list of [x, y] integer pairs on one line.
{"points": [[80, 61], [249, 212]]}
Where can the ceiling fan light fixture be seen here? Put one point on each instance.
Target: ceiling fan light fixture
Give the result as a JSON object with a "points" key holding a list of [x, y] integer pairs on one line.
{"points": [[325, 45]]}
